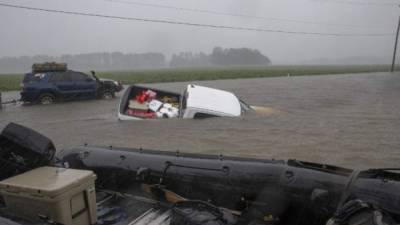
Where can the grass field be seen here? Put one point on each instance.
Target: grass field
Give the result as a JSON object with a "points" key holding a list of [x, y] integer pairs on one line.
{"points": [[10, 82]]}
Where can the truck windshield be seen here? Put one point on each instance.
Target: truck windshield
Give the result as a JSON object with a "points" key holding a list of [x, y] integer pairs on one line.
{"points": [[244, 106]]}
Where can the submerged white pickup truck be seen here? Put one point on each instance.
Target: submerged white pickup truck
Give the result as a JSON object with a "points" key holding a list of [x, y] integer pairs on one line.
{"points": [[196, 101]]}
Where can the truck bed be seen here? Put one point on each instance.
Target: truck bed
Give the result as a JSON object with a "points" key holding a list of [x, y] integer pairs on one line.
{"points": [[135, 90]]}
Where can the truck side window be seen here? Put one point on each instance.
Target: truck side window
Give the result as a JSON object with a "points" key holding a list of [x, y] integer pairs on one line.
{"points": [[78, 76], [86, 77], [66, 77], [202, 116], [55, 77]]}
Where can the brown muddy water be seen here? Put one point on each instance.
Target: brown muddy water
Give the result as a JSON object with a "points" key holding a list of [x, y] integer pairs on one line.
{"points": [[348, 120]]}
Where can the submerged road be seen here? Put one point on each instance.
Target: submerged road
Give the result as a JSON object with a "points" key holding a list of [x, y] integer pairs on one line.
{"points": [[348, 120]]}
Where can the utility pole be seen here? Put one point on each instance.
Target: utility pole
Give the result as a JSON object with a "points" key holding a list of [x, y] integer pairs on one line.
{"points": [[395, 46]]}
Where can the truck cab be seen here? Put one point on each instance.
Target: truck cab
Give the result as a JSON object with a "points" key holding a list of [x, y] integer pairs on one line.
{"points": [[200, 102]]}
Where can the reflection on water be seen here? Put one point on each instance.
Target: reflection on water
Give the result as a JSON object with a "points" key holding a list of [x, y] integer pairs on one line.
{"points": [[348, 120]]}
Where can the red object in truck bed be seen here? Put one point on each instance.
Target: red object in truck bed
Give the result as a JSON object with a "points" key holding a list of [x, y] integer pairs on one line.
{"points": [[140, 113]]}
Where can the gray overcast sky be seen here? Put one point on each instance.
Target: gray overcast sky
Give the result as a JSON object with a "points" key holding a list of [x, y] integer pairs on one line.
{"points": [[28, 33]]}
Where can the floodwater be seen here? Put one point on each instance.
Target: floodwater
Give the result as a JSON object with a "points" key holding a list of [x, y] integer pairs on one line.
{"points": [[347, 120]]}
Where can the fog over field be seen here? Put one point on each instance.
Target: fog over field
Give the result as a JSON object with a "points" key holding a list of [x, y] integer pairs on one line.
{"points": [[26, 32]]}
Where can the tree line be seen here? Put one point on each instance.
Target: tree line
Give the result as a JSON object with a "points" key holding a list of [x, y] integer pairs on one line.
{"points": [[220, 57], [151, 60]]}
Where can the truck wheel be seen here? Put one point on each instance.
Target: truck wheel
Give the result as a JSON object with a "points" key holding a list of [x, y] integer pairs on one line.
{"points": [[47, 99], [108, 94]]}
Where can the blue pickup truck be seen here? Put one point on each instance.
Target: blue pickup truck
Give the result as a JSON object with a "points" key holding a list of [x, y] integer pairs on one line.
{"points": [[50, 86]]}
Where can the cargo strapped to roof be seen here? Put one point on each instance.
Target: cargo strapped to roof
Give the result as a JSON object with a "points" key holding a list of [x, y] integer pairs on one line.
{"points": [[48, 67]]}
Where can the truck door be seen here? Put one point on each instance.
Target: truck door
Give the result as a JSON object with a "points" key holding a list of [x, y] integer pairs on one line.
{"points": [[62, 81], [84, 85]]}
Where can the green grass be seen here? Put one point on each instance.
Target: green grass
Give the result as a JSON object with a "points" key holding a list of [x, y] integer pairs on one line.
{"points": [[11, 81]]}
